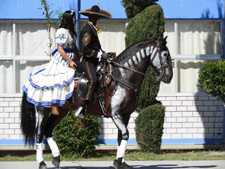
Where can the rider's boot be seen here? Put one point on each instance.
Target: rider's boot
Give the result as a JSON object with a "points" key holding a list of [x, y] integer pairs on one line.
{"points": [[81, 109], [55, 110]]}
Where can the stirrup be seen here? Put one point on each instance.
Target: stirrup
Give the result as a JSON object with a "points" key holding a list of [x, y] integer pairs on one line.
{"points": [[101, 101], [81, 109], [80, 112]]}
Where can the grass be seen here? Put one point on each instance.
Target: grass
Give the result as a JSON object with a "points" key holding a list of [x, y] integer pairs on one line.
{"points": [[130, 156]]}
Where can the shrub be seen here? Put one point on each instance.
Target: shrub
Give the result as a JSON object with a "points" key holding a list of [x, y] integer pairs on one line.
{"points": [[133, 7], [75, 138], [149, 128], [212, 79]]}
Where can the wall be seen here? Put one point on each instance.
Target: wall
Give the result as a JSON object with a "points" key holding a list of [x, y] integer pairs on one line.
{"points": [[190, 119], [173, 9], [193, 9]]}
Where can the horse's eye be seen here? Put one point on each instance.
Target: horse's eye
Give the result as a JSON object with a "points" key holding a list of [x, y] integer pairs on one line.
{"points": [[165, 54]]}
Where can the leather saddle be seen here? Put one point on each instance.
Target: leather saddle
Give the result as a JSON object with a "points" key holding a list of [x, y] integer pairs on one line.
{"points": [[104, 73]]}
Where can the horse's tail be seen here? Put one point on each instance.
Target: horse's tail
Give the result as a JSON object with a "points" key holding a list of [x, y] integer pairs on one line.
{"points": [[28, 120]]}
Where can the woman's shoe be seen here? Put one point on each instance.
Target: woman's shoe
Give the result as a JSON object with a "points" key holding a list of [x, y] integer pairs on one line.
{"points": [[55, 110]]}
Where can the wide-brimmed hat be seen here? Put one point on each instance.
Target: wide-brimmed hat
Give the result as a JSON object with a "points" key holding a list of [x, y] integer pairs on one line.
{"points": [[96, 12]]}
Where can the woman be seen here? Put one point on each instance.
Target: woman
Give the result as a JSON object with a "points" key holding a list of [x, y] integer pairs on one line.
{"points": [[53, 85]]}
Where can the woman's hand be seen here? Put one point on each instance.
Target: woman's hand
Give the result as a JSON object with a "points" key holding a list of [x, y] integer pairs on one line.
{"points": [[66, 57], [72, 64]]}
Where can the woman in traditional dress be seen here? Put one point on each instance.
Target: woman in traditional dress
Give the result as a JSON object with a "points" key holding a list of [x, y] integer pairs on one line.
{"points": [[53, 85]]}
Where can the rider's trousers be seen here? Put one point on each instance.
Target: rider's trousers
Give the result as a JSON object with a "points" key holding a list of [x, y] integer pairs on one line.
{"points": [[90, 65]]}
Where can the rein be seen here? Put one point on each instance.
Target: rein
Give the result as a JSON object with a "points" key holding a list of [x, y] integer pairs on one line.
{"points": [[133, 70]]}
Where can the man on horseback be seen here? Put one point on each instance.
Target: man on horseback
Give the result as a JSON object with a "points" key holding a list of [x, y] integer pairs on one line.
{"points": [[91, 52]]}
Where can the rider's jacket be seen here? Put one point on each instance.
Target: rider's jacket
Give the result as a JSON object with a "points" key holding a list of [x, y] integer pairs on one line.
{"points": [[89, 42]]}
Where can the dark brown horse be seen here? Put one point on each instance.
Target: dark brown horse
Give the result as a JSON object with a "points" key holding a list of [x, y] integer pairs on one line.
{"points": [[120, 99]]}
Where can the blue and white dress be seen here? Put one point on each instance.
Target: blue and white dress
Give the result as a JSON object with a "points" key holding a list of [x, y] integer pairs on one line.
{"points": [[55, 83]]}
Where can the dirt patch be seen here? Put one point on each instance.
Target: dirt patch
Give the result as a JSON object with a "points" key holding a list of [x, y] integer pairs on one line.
{"points": [[217, 154]]}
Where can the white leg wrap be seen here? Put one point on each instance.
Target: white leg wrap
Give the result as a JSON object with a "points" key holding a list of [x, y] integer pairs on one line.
{"points": [[122, 149], [53, 146], [39, 152]]}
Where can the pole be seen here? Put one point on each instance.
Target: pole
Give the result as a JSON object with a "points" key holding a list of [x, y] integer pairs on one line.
{"points": [[77, 23]]}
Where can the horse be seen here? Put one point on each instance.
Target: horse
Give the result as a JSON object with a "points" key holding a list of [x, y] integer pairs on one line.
{"points": [[121, 98]]}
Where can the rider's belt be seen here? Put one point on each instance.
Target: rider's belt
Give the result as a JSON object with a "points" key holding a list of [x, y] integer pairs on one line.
{"points": [[66, 50]]}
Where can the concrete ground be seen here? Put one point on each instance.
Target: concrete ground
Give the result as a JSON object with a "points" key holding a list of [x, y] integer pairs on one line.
{"points": [[220, 164]]}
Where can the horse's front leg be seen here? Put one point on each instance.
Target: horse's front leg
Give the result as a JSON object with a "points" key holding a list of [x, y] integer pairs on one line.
{"points": [[123, 136], [42, 119]]}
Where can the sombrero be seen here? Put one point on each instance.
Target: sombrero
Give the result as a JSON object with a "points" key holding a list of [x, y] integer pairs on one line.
{"points": [[96, 12]]}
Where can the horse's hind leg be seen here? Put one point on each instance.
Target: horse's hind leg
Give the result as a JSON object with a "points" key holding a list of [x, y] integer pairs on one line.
{"points": [[123, 136], [42, 119], [50, 125], [51, 142]]}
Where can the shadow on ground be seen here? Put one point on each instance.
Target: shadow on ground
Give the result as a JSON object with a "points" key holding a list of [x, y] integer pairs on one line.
{"points": [[162, 166]]}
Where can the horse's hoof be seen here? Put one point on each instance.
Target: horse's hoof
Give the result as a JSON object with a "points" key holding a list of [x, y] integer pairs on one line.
{"points": [[116, 164], [125, 166], [56, 161], [42, 165]]}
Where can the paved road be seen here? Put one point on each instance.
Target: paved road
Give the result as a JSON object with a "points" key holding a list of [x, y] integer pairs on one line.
{"points": [[108, 165]]}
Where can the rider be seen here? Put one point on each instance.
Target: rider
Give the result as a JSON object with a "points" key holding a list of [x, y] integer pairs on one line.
{"points": [[90, 51], [53, 85]]}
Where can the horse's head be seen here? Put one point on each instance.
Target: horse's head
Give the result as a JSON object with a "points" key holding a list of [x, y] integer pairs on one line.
{"points": [[161, 61]]}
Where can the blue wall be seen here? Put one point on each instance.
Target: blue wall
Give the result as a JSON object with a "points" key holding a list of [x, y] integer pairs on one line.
{"points": [[113, 6], [173, 9], [196, 9], [29, 9]]}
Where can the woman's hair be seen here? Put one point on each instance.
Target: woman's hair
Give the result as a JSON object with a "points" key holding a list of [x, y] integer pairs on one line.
{"points": [[67, 22]]}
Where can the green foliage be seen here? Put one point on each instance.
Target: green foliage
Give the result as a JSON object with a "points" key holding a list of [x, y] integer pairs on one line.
{"points": [[212, 79], [76, 138], [46, 7], [133, 7], [149, 128], [147, 22], [146, 25]]}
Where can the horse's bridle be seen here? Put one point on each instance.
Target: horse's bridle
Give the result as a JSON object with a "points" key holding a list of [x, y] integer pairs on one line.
{"points": [[162, 66]]}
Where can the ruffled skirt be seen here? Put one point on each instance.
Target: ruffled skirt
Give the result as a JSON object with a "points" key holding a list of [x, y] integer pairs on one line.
{"points": [[52, 85]]}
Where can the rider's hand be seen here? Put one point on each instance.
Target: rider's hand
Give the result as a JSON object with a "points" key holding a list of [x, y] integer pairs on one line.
{"points": [[113, 55], [72, 64], [105, 55]]}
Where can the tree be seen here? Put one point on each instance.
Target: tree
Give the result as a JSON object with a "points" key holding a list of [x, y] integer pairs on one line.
{"points": [[45, 7]]}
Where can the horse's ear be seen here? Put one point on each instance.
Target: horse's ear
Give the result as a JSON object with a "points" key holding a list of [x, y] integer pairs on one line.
{"points": [[158, 40], [165, 38], [163, 42]]}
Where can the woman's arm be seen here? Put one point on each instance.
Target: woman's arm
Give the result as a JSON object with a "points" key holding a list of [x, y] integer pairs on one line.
{"points": [[66, 57]]}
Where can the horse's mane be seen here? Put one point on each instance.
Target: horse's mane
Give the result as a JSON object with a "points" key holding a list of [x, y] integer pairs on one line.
{"points": [[132, 50]]}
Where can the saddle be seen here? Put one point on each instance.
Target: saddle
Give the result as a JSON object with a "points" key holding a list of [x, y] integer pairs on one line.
{"points": [[104, 75]]}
